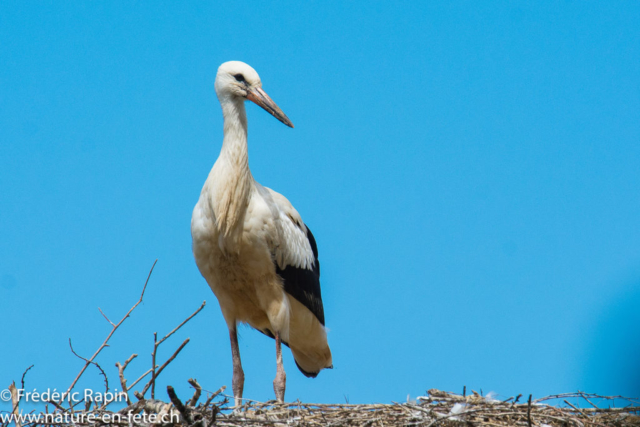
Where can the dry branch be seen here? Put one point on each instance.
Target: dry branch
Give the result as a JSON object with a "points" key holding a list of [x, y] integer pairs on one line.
{"points": [[156, 344], [15, 401], [24, 374], [115, 327], [123, 381], [196, 393], [152, 381], [106, 380], [177, 403], [138, 380]]}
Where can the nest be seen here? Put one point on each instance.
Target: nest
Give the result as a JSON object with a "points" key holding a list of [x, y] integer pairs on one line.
{"points": [[438, 408]]}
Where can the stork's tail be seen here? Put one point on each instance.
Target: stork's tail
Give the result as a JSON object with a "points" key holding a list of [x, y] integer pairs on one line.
{"points": [[310, 366], [308, 341], [310, 374]]}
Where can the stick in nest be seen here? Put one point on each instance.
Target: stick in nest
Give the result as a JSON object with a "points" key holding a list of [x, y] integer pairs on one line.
{"points": [[157, 343], [196, 393], [123, 380], [152, 381], [179, 405]]}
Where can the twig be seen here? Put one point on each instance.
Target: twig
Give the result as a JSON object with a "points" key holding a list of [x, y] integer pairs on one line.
{"points": [[179, 405], [173, 356], [577, 410], [156, 344], [15, 400], [529, 412], [585, 398], [106, 380], [581, 394], [57, 405], [140, 378], [214, 394], [169, 360], [105, 316], [196, 393], [123, 381], [182, 324], [153, 365], [104, 344], [23, 376]]}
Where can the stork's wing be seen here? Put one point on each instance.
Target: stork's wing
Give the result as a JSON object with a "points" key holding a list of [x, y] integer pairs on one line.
{"points": [[295, 254], [303, 283]]}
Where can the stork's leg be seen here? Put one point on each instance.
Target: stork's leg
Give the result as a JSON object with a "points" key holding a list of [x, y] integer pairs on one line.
{"points": [[238, 374], [280, 383]]}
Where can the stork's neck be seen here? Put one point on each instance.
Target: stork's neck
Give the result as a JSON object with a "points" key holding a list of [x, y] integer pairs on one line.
{"points": [[231, 175], [234, 144]]}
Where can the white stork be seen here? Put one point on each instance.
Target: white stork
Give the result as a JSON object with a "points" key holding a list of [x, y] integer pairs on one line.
{"points": [[250, 244]]}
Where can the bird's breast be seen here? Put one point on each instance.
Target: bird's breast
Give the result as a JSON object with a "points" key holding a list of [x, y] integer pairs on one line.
{"points": [[240, 272], [243, 253]]}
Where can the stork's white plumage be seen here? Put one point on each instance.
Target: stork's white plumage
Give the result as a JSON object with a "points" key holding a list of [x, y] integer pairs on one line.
{"points": [[250, 244]]}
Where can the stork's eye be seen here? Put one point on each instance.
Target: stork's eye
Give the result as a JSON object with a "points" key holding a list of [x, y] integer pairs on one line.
{"points": [[239, 77]]}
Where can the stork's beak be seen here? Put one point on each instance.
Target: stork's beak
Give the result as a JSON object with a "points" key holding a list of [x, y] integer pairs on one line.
{"points": [[260, 97]]}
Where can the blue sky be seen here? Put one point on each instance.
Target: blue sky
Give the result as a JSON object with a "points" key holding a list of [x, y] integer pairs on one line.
{"points": [[470, 172]]}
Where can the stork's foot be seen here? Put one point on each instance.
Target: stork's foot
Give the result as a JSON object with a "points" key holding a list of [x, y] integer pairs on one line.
{"points": [[279, 385], [237, 384]]}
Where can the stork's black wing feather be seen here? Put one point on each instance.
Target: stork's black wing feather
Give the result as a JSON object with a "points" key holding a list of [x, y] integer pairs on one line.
{"points": [[304, 284]]}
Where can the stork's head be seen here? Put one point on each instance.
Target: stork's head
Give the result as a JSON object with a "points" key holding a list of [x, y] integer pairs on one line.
{"points": [[236, 79]]}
